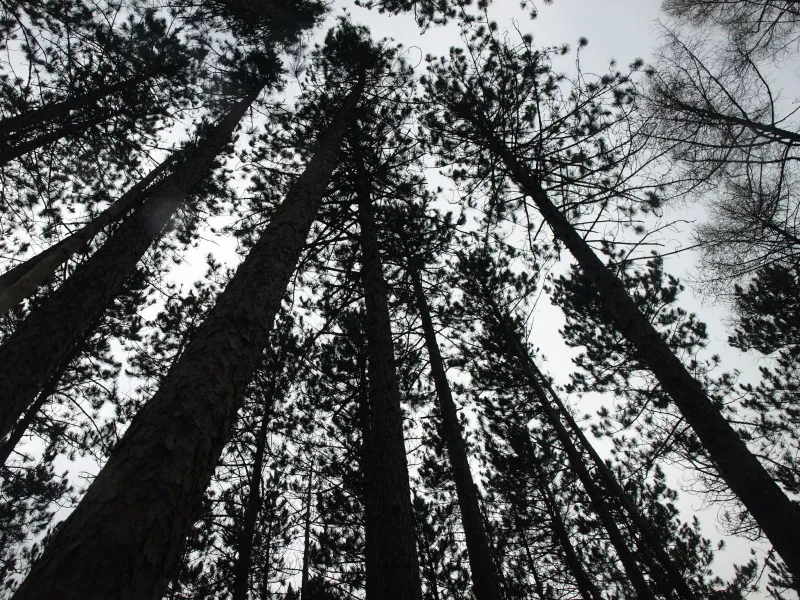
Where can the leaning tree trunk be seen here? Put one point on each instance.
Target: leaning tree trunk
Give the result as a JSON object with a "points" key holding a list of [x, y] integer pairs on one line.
{"points": [[775, 513], [388, 486], [30, 356], [14, 151], [57, 110], [23, 280], [484, 578], [674, 578], [125, 537], [626, 557], [244, 546]]}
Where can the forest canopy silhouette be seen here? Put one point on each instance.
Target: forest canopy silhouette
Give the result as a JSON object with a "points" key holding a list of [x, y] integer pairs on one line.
{"points": [[362, 394]]}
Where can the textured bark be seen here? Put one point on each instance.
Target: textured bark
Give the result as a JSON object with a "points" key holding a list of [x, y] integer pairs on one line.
{"points": [[388, 487], [9, 153], [624, 553], [674, 578], [58, 110], [484, 579], [125, 537], [775, 513], [304, 591], [244, 545], [23, 280]]}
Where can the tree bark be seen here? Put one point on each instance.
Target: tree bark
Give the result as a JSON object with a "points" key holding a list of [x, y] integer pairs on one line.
{"points": [[675, 580], [30, 356], [775, 513], [244, 545], [484, 578], [388, 486], [125, 537], [23, 280], [57, 110]]}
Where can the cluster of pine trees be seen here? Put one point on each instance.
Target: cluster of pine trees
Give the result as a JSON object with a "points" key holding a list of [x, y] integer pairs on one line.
{"points": [[357, 406]]}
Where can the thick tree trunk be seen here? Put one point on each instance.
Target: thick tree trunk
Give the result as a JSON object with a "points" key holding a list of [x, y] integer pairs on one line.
{"points": [[57, 110], [9, 153], [30, 356], [244, 546], [484, 579], [388, 486], [675, 580], [304, 590], [775, 513], [615, 536], [124, 538], [23, 280]]}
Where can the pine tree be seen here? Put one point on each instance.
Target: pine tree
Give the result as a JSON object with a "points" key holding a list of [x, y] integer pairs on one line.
{"points": [[207, 382], [478, 107], [54, 329]]}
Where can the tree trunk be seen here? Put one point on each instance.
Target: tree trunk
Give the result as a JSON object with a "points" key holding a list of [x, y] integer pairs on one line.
{"points": [[125, 536], [675, 580], [57, 110], [23, 280], [775, 513], [30, 356], [304, 591], [484, 579], [9, 153], [244, 545], [47, 391], [388, 486], [624, 553]]}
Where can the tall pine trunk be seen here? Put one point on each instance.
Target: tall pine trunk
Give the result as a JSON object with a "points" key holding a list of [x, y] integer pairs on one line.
{"points": [[53, 111], [23, 280], [626, 557], [775, 513], [389, 509], [244, 546], [30, 356], [125, 537], [484, 579], [674, 578]]}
